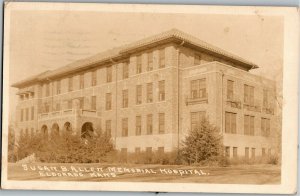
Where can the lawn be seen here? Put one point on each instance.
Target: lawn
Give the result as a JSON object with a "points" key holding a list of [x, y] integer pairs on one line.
{"points": [[241, 174]]}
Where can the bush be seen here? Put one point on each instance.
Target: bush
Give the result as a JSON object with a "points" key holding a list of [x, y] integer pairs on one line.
{"points": [[204, 143], [66, 148], [273, 159]]}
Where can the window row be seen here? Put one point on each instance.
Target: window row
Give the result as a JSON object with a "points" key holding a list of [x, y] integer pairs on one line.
{"points": [[249, 122], [248, 94], [246, 153], [148, 150], [149, 125], [109, 76], [27, 114]]}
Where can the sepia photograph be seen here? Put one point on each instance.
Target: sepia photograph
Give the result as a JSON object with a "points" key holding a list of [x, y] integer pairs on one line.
{"points": [[150, 98]]}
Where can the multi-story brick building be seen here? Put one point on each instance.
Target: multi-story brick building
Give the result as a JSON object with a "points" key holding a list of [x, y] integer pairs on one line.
{"points": [[150, 93]]}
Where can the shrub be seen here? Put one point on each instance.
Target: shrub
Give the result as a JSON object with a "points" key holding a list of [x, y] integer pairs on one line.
{"points": [[273, 159], [203, 143]]}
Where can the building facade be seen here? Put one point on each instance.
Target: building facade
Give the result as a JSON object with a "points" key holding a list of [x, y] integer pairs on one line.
{"points": [[149, 94]]}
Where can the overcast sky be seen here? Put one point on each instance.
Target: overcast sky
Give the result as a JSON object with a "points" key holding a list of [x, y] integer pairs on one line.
{"points": [[45, 40]]}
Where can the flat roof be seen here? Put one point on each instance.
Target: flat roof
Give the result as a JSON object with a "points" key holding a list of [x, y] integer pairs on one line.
{"points": [[115, 54]]}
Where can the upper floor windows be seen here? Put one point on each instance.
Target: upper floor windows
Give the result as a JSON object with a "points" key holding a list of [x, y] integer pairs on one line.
{"points": [[32, 112], [248, 94], [230, 122], [70, 84], [150, 61], [161, 123], [125, 70], [196, 118], [93, 103], [248, 125], [265, 98], [94, 78], [265, 127], [58, 87], [149, 124], [197, 59], [149, 92], [230, 84], [22, 115], [162, 60], [47, 89], [81, 84], [108, 101], [109, 74], [139, 64], [138, 125], [198, 88], [138, 94], [161, 90], [125, 98]]}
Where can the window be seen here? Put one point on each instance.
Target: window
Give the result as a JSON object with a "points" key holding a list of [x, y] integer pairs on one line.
{"points": [[139, 64], [160, 150], [124, 127], [265, 127], [125, 70], [27, 114], [249, 94], [230, 89], [150, 61], [123, 154], [253, 153], [32, 113], [108, 101], [247, 153], [162, 62], [93, 103], [108, 127], [197, 59], [198, 88], [234, 152], [161, 121], [196, 118], [58, 87], [265, 98], [22, 115], [149, 124], [47, 90], [70, 85], [69, 104], [149, 92], [81, 103], [230, 122], [161, 90], [57, 107], [263, 152], [81, 86], [125, 98], [138, 94], [137, 150], [227, 151], [138, 125], [248, 125], [109, 74], [94, 78], [148, 150]]}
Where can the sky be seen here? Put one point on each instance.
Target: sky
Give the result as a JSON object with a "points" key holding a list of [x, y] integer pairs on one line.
{"points": [[46, 40]]}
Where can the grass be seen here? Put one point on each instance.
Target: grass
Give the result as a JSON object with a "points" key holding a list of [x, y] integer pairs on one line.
{"points": [[236, 174]]}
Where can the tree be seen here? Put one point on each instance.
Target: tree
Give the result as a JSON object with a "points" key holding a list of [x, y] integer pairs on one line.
{"points": [[202, 143]]}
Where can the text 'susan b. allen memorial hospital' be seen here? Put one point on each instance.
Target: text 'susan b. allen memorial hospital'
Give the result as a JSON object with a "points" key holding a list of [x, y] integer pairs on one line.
{"points": [[150, 93]]}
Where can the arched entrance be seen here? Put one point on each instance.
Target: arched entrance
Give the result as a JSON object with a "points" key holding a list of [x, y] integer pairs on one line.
{"points": [[68, 128], [55, 130], [87, 130], [44, 131]]}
